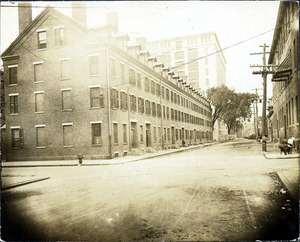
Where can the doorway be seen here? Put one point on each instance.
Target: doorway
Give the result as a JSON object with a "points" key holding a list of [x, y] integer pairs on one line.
{"points": [[133, 135], [148, 135]]}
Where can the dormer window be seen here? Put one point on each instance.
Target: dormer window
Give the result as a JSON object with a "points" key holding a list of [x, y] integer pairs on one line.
{"points": [[42, 39], [59, 36]]}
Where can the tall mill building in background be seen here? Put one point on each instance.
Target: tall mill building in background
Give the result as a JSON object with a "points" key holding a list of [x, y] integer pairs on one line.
{"points": [[69, 89], [206, 66]]}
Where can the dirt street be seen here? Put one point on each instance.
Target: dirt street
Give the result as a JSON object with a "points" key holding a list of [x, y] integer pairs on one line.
{"points": [[222, 192]]}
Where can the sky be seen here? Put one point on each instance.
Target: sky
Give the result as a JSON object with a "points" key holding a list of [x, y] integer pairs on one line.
{"points": [[233, 22]]}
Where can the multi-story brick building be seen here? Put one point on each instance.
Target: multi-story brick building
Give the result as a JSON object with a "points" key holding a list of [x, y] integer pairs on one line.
{"points": [[285, 81], [71, 90], [206, 62]]}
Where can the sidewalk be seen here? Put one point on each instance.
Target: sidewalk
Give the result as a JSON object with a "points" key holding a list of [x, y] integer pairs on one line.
{"points": [[114, 161]]}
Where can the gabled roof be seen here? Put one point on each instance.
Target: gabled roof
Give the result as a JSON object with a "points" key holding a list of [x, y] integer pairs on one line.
{"points": [[47, 11]]}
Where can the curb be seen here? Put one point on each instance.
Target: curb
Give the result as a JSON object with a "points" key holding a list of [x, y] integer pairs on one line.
{"points": [[113, 163], [277, 156], [17, 184]]}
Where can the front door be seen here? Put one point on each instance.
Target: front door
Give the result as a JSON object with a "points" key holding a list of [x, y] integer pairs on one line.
{"points": [[148, 135], [133, 135]]}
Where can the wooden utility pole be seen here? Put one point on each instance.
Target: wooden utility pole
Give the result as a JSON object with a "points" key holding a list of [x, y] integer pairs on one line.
{"points": [[264, 72]]}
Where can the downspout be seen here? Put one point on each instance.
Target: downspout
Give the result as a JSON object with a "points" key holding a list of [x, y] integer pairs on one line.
{"points": [[108, 105], [161, 115]]}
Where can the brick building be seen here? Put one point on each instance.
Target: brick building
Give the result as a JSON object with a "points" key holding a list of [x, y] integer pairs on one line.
{"points": [[70, 89], [284, 109]]}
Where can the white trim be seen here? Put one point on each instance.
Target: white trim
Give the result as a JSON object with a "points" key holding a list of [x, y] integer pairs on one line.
{"points": [[114, 88], [132, 94], [116, 152], [140, 97], [38, 92], [59, 27], [12, 66], [66, 89], [41, 30], [94, 86], [124, 123], [15, 127], [96, 122], [67, 124], [112, 57], [133, 120], [172, 125], [37, 62], [122, 63], [97, 54], [122, 91], [13, 94], [40, 125], [182, 126], [115, 122], [154, 125], [64, 59], [147, 122]]}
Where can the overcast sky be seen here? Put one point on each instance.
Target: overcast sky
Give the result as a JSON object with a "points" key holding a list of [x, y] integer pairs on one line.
{"points": [[233, 22]]}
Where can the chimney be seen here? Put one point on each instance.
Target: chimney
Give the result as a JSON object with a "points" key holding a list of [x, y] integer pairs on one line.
{"points": [[79, 12], [112, 19], [25, 15]]}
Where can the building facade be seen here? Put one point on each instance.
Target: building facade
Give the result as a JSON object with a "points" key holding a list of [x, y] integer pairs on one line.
{"points": [[71, 90], [206, 62], [284, 109]]}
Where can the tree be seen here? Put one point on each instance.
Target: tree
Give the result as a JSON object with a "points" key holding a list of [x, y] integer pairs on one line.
{"points": [[231, 107]]}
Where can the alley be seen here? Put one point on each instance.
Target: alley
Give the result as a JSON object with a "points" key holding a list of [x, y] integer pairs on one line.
{"points": [[223, 192]]}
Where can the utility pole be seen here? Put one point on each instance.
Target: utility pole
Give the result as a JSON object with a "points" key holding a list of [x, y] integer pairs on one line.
{"points": [[264, 72], [256, 114]]}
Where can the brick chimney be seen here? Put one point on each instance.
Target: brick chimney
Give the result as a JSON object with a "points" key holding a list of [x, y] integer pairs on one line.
{"points": [[79, 12], [25, 15]]}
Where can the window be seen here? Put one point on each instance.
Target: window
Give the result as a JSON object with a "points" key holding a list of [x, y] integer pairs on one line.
{"points": [[207, 82], [148, 111], [124, 133], [68, 135], [167, 94], [124, 101], [133, 103], [169, 134], [38, 72], [115, 125], [141, 134], [172, 114], [158, 110], [141, 105], [168, 114], [39, 102], [157, 89], [65, 69], [153, 87], [12, 75], [175, 98], [164, 111], [178, 45], [113, 67], [206, 71], [96, 133], [13, 103], [93, 65], [154, 133], [139, 84], [206, 60], [122, 71], [175, 115], [153, 109], [59, 36], [40, 136], [96, 97], [114, 98], [171, 96], [17, 139], [132, 77], [42, 39], [147, 85], [66, 99], [163, 92]]}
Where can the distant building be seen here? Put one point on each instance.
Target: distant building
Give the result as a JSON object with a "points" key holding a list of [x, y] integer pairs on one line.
{"points": [[71, 90], [206, 62], [284, 111]]}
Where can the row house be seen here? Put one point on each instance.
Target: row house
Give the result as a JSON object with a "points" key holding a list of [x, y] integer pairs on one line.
{"points": [[71, 90], [284, 55]]}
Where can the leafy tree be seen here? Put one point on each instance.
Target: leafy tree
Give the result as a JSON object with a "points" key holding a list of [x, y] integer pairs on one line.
{"points": [[231, 107]]}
